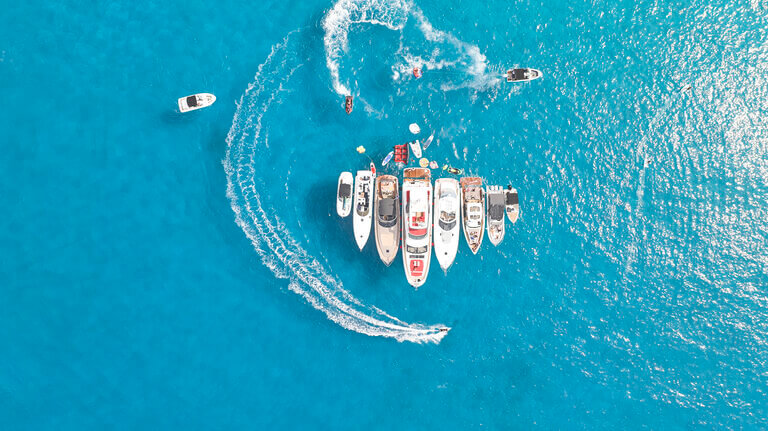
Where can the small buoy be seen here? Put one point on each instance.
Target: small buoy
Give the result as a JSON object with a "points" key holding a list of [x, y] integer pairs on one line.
{"points": [[414, 128], [361, 149], [423, 162], [417, 72]]}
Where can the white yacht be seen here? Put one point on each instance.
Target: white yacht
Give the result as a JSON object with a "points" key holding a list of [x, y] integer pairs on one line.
{"points": [[196, 101], [417, 224], [512, 204], [363, 207], [386, 220], [344, 194], [473, 211], [447, 223], [495, 214], [523, 74]]}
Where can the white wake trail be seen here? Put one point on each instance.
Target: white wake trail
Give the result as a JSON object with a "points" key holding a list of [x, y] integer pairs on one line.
{"points": [[278, 250], [394, 15]]}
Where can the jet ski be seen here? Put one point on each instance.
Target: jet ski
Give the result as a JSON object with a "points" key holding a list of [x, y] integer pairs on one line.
{"points": [[348, 104], [344, 194], [523, 74]]}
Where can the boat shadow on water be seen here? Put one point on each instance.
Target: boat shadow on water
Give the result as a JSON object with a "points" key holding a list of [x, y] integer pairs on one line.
{"points": [[338, 232]]}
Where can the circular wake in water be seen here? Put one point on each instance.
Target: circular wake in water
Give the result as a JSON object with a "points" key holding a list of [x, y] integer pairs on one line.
{"points": [[247, 151]]}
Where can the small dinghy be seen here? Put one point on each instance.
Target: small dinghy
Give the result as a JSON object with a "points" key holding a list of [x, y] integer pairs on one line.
{"points": [[344, 194], [523, 74], [417, 224], [386, 219], [495, 214], [363, 205], [414, 128], [511, 203], [348, 104], [196, 101], [473, 211], [388, 158], [447, 223], [415, 148]]}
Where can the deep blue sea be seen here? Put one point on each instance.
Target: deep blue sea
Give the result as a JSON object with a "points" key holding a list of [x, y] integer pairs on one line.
{"points": [[169, 271]]}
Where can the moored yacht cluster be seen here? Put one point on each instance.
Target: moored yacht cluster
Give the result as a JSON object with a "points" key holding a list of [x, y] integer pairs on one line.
{"points": [[415, 216]]}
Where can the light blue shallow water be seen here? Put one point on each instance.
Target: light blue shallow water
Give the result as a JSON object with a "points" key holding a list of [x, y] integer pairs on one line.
{"points": [[168, 271]]}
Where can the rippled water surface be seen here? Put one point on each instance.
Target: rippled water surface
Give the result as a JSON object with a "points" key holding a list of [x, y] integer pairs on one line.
{"points": [[189, 271]]}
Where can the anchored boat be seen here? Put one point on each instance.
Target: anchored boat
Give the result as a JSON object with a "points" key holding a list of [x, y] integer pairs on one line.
{"points": [[344, 194], [523, 74], [512, 204], [363, 206], [417, 224], [447, 221], [387, 218], [473, 211], [196, 101], [495, 214]]}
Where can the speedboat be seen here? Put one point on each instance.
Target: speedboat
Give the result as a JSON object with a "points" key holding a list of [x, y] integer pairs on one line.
{"points": [[344, 194], [417, 224], [523, 74], [386, 221], [473, 211], [447, 221], [196, 101], [511, 203], [495, 214], [363, 205]]}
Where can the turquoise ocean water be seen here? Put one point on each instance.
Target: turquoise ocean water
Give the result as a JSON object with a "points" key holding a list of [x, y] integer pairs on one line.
{"points": [[167, 271]]}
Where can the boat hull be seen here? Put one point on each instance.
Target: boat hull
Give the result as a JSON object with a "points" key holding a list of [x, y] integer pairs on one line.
{"points": [[446, 233], [202, 100], [494, 218], [417, 225], [387, 232], [363, 207], [344, 203], [473, 211]]}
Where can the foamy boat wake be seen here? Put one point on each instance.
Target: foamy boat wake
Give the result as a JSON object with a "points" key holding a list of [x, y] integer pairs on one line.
{"points": [[446, 50], [275, 245]]}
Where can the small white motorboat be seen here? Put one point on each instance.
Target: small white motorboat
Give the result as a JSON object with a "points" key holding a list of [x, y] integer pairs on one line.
{"points": [[386, 220], [417, 224], [523, 74], [495, 214], [363, 207], [473, 211], [344, 194], [414, 128], [511, 203], [447, 223], [415, 148], [196, 101]]}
